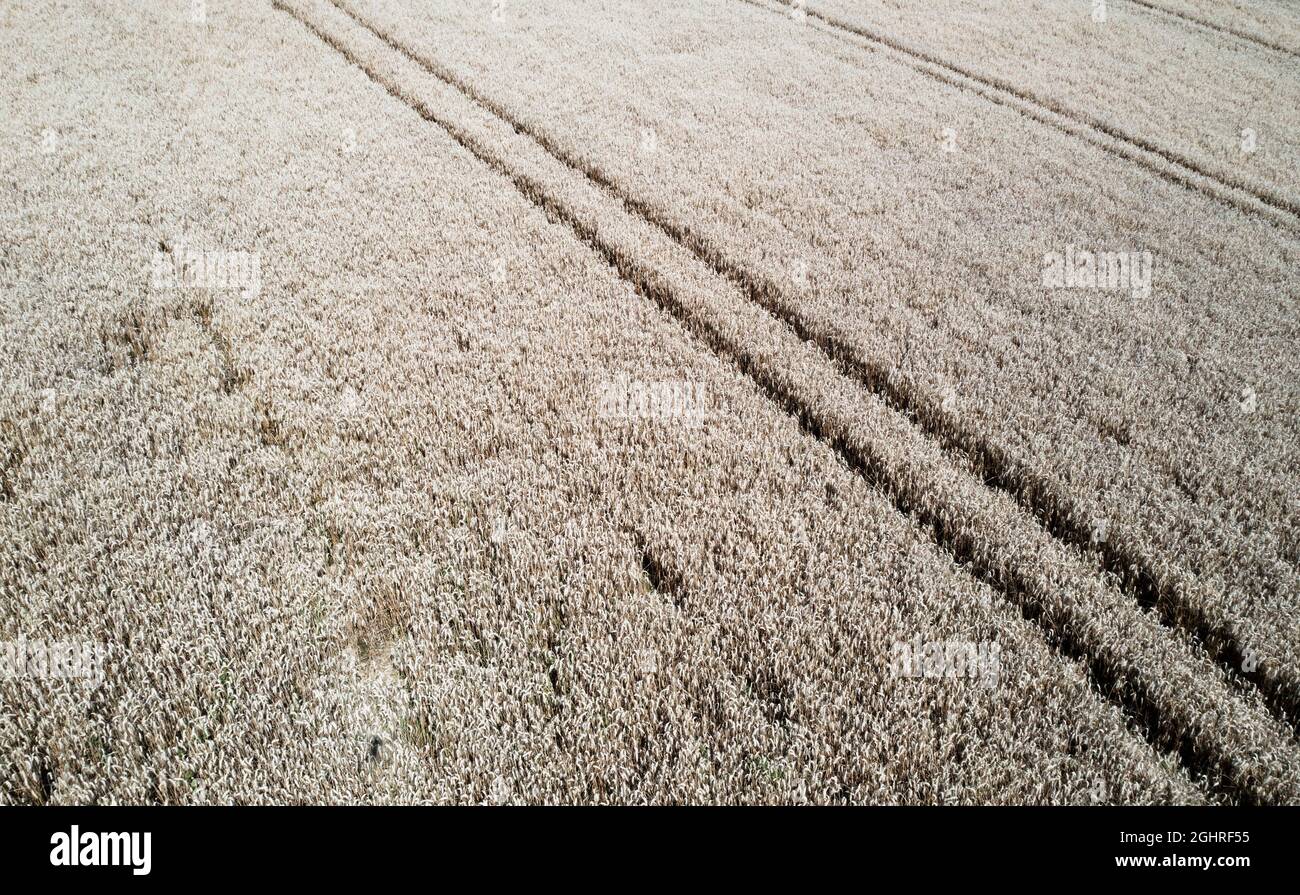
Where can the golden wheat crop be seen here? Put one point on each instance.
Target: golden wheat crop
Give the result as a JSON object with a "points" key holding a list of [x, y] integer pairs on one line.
{"points": [[572, 404]]}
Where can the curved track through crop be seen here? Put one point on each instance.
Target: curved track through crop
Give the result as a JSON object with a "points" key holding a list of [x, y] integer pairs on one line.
{"points": [[1193, 22], [1141, 575], [1162, 161], [979, 470]]}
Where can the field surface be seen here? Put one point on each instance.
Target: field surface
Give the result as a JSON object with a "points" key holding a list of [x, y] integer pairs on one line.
{"points": [[686, 402]]}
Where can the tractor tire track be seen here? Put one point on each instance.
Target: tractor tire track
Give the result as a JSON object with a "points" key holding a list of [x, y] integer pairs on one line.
{"points": [[1166, 163], [1158, 681], [1148, 581], [1197, 24]]}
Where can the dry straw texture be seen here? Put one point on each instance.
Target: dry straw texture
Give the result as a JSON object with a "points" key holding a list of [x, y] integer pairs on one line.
{"points": [[628, 400]]}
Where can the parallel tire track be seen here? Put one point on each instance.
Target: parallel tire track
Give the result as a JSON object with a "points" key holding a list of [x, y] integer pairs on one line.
{"points": [[1195, 23], [1148, 581], [669, 580], [1207, 745], [1160, 160]]}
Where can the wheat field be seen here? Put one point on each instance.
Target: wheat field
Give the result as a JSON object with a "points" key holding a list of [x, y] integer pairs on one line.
{"points": [[706, 401]]}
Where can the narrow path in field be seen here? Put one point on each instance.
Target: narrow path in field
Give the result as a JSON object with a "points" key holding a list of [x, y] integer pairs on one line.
{"points": [[1163, 683], [1160, 160], [1139, 710], [1193, 21], [1144, 577]]}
